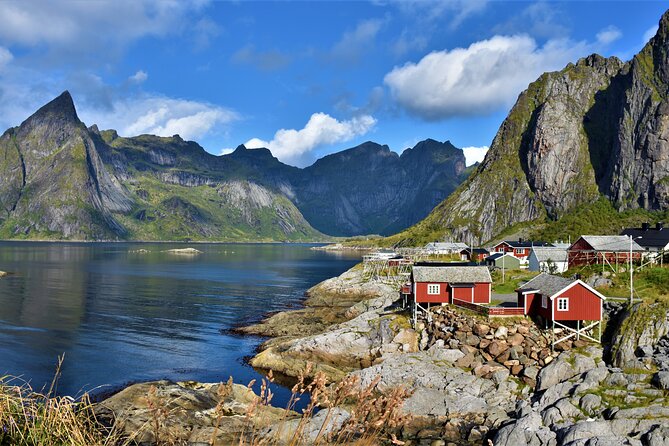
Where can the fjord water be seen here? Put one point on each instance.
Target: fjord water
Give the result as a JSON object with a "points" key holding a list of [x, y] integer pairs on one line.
{"points": [[120, 316]]}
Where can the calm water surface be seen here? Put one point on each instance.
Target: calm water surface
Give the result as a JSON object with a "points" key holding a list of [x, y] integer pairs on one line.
{"points": [[120, 316]]}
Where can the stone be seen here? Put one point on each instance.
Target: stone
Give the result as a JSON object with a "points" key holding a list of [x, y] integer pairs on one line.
{"points": [[661, 380], [497, 347], [481, 329], [484, 343], [516, 339], [501, 332], [590, 403], [566, 366], [531, 372]]}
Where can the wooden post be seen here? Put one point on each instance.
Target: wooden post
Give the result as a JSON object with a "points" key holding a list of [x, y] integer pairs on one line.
{"points": [[553, 338], [578, 330]]}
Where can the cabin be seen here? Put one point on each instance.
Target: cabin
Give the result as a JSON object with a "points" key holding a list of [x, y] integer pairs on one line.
{"points": [[439, 248], [474, 255], [550, 260], [570, 305], [603, 249], [519, 249], [443, 284], [652, 239], [502, 261]]}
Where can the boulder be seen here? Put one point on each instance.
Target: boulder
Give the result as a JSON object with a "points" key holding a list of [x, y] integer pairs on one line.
{"points": [[661, 380], [566, 366], [501, 332]]}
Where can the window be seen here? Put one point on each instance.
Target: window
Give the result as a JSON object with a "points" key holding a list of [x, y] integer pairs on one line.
{"points": [[520, 251], [544, 301], [500, 249], [433, 288], [563, 304]]}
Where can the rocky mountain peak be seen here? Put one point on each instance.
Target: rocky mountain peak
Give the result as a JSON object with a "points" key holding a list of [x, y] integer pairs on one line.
{"points": [[60, 109]]}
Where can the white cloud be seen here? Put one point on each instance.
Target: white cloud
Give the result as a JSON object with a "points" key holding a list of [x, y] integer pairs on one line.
{"points": [[226, 151], [139, 77], [608, 35], [354, 43], [5, 57], [75, 27], [455, 12], [479, 79], [650, 33], [162, 116], [474, 154], [322, 129], [263, 60]]}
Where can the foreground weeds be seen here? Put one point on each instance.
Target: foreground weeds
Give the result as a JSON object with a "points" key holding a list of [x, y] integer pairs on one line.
{"points": [[29, 418]]}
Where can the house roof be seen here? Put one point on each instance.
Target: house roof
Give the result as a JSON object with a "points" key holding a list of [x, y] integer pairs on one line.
{"points": [[650, 238], [610, 243], [523, 243], [546, 284], [552, 254], [498, 255], [476, 251], [452, 274], [455, 246]]}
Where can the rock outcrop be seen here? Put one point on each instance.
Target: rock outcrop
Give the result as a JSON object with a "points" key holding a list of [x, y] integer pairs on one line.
{"points": [[596, 128]]}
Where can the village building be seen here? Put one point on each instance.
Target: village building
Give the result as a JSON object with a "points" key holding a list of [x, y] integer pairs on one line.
{"points": [[443, 284], [567, 304], [474, 255], [438, 248], [519, 249], [612, 250], [550, 260], [653, 239], [502, 261]]}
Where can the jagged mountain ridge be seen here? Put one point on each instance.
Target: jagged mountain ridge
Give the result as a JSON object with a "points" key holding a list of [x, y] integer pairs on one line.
{"points": [[597, 128], [61, 180]]}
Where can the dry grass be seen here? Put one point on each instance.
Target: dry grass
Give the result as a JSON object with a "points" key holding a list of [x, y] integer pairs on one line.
{"points": [[28, 418]]}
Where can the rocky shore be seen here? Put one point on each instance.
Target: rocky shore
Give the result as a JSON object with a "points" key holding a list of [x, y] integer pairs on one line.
{"points": [[470, 381]]}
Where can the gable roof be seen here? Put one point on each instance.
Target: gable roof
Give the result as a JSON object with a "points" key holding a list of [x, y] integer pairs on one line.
{"points": [[475, 251], [498, 255], [455, 246], [546, 284], [545, 254], [650, 238], [609, 243], [550, 285], [523, 243], [452, 274]]}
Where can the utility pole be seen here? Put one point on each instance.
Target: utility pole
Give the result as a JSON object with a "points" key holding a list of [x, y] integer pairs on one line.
{"points": [[632, 272]]}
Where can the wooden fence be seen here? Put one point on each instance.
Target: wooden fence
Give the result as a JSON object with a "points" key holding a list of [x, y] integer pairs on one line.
{"points": [[490, 311]]}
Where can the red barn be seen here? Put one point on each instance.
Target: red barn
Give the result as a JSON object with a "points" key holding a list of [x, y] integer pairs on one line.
{"points": [[598, 249], [562, 302], [442, 284]]}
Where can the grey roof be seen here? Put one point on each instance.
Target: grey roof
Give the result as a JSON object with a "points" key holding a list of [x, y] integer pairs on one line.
{"points": [[650, 238], [455, 246], [611, 243], [547, 284], [452, 274], [498, 255], [553, 254]]}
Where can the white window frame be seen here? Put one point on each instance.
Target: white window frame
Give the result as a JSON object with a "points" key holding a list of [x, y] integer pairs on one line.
{"points": [[433, 289], [544, 301], [566, 306], [520, 250]]}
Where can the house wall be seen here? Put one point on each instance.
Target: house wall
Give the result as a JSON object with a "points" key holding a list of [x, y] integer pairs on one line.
{"points": [[482, 293], [509, 263], [533, 305], [462, 293], [584, 305], [444, 295]]}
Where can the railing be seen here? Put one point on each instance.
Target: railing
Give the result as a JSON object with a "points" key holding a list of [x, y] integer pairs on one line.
{"points": [[490, 311]]}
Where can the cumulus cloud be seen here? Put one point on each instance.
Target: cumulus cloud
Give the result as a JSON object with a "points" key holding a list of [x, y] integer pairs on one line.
{"points": [[608, 35], [354, 43], [139, 77], [263, 60], [474, 154], [479, 79], [162, 116], [320, 130], [455, 12]]}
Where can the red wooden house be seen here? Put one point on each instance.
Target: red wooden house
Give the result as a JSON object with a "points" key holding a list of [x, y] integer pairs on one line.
{"points": [[474, 254], [443, 284], [520, 249], [599, 249], [562, 302]]}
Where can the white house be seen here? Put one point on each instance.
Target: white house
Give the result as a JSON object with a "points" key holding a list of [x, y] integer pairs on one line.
{"points": [[445, 247], [549, 260]]}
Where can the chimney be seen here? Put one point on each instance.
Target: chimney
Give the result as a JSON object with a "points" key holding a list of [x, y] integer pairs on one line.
{"points": [[659, 225], [645, 226], [520, 240]]}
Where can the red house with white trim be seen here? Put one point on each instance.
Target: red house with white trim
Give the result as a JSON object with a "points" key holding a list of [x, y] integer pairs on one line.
{"points": [[442, 284], [519, 249], [556, 298]]}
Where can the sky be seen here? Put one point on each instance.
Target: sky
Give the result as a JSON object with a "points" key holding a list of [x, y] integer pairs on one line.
{"points": [[303, 79]]}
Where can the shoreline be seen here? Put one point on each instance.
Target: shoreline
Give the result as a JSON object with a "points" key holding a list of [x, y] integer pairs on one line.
{"points": [[202, 242]]}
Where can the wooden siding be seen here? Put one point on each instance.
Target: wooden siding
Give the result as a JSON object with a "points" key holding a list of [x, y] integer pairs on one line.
{"points": [[582, 253], [463, 293], [443, 296], [584, 305], [532, 305], [482, 293]]}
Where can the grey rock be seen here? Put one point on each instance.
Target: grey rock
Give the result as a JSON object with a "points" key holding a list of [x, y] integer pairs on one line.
{"points": [[661, 380], [590, 403], [528, 430], [566, 366]]}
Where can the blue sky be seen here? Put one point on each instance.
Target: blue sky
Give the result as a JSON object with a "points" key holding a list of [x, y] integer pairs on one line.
{"points": [[303, 78]]}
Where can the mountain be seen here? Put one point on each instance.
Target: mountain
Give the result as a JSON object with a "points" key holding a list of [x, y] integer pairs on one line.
{"points": [[596, 130], [62, 180]]}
